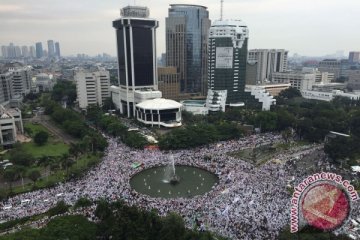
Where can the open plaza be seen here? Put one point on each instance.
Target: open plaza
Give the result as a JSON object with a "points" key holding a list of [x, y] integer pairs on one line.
{"points": [[247, 202]]}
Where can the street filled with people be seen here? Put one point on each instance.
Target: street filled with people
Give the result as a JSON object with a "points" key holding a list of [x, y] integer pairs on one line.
{"points": [[248, 202]]}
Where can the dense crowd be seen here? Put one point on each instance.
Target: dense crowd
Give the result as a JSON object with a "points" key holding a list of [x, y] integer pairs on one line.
{"points": [[249, 202]]}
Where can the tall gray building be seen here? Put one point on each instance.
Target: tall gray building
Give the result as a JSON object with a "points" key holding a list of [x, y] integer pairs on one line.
{"points": [[331, 66], [268, 62], [32, 52], [39, 50], [25, 51], [11, 51], [51, 48], [354, 57], [4, 51], [187, 28], [57, 49]]}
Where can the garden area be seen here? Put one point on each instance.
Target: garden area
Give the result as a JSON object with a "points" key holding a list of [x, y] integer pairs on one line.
{"points": [[51, 147], [46, 159], [259, 155]]}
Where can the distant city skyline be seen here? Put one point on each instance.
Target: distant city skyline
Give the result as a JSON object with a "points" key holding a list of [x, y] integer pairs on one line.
{"points": [[308, 28]]}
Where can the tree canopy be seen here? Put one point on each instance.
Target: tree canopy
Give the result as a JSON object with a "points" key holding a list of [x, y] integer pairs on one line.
{"points": [[41, 138]]}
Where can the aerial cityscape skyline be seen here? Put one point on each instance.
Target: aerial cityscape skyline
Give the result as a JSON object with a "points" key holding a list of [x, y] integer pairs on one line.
{"points": [[272, 24], [223, 128]]}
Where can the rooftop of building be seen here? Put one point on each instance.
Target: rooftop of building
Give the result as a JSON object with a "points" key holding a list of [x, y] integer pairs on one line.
{"points": [[268, 49], [8, 112], [159, 104], [187, 5], [135, 11], [228, 22], [197, 103]]}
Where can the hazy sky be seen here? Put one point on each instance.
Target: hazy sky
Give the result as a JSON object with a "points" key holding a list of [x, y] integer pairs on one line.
{"points": [[307, 27]]}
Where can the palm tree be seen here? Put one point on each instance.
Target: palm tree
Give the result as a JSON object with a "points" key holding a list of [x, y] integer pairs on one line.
{"points": [[65, 162], [21, 170], [10, 175], [75, 150]]}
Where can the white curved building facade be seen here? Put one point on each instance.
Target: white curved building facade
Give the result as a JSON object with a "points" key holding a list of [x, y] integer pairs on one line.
{"points": [[159, 112]]}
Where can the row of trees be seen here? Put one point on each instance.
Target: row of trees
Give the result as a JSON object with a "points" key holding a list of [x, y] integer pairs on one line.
{"points": [[74, 124], [117, 221], [64, 91], [199, 134], [113, 126]]}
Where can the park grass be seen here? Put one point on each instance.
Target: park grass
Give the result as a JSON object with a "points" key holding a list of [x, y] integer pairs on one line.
{"points": [[246, 154], [35, 128], [264, 155], [289, 145], [53, 149]]}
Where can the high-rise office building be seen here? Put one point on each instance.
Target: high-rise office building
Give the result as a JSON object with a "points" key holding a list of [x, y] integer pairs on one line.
{"points": [[4, 51], [39, 50], [92, 88], [17, 52], [25, 51], [6, 89], [32, 52], [136, 50], [331, 66], [169, 84], [354, 57], [51, 48], [57, 49], [21, 80], [187, 28], [11, 51], [268, 62], [228, 43]]}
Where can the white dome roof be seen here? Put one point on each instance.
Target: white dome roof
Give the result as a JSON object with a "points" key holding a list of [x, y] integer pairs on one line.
{"points": [[159, 104]]}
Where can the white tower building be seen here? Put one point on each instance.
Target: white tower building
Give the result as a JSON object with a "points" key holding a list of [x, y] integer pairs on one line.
{"points": [[92, 88]]}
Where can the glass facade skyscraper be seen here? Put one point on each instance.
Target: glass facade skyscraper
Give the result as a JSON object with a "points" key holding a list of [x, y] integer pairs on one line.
{"points": [[39, 50], [187, 29], [51, 48], [57, 49]]}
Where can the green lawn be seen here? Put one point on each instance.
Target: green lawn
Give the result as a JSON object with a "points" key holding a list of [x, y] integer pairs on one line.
{"points": [[54, 147], [257, 156], [49, 149], [35, 128]]}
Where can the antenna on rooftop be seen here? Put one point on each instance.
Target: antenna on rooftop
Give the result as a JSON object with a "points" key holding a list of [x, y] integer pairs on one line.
{"points": [[221, 10]]}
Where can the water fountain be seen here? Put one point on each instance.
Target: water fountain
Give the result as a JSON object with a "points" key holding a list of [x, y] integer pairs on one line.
{"points": [[173, 181], [170, 172]]}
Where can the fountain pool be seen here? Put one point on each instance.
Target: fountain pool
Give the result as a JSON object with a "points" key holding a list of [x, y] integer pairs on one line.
{"points": [[192, 181]]}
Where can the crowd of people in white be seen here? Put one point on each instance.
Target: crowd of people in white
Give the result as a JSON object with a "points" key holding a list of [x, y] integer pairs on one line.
{"points": [[249, 202]]}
